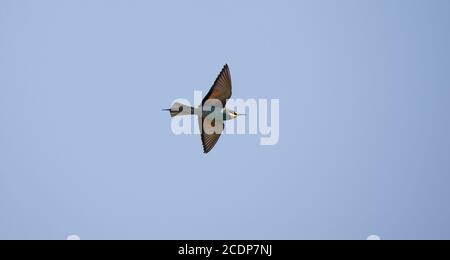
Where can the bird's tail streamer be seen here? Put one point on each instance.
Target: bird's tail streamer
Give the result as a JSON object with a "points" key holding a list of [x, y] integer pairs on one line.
{"points": [[179, 109]]}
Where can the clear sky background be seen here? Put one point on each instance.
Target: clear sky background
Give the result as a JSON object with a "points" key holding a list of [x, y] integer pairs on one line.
{"points": [[364, 89]]}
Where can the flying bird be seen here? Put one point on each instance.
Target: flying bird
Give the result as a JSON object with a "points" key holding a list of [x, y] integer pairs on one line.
{"points": [[212, 112]]}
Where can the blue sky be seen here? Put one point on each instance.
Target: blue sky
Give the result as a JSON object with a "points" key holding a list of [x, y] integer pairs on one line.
{"points": [[364, 99]]}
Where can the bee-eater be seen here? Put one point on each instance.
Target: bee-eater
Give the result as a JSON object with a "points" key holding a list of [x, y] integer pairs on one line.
{"points": [[212, 112]]}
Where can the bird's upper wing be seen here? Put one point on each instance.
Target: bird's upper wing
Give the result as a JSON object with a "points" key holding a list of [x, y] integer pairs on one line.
{"points": [[221, 90], [210, 133]]}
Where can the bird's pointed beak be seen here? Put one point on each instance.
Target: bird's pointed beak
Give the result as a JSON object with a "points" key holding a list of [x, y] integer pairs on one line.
{"points": [[242, 114]]}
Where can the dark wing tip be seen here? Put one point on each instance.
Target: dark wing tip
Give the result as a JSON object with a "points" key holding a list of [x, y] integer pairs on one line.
{"points": [[226, 67], [206, 148]]}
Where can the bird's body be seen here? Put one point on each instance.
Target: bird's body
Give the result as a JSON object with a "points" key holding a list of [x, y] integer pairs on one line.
{"points": [[179, 109], [212, 112], [223, 113]]}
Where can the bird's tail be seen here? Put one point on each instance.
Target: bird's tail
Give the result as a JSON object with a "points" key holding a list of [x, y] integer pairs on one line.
{"points": [[179, 109]]}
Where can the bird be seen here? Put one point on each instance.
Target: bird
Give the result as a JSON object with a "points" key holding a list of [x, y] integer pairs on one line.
{"points": [[212, 113]]}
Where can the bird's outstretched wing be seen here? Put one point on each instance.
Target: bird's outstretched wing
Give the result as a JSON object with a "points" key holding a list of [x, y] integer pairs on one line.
{"points": [[210, 133], [221, 89]]}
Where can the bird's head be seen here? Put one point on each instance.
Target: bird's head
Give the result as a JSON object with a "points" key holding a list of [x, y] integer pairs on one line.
{"points": [[233, 114]]}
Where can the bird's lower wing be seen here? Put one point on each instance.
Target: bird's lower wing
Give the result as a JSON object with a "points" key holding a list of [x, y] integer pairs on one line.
{"points": [[210, 133]]}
